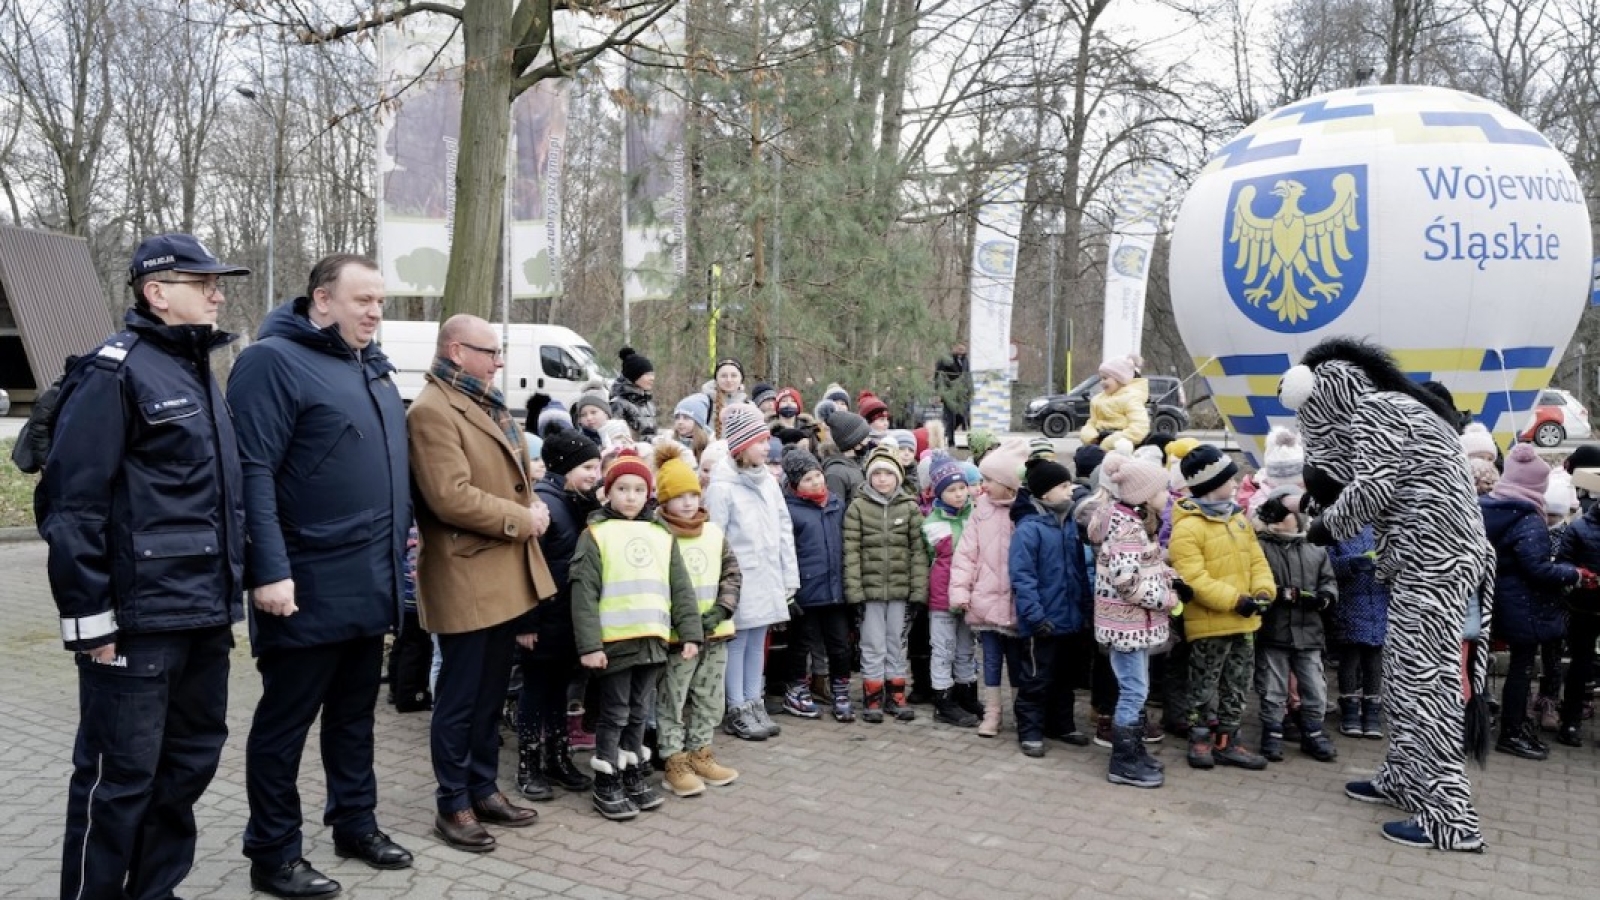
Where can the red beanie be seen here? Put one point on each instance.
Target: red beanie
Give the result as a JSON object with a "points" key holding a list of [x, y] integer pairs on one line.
{"points": [[628, 462]]}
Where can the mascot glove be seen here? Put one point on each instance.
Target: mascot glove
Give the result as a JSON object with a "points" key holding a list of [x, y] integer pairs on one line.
{"points": [[1319, 534]]}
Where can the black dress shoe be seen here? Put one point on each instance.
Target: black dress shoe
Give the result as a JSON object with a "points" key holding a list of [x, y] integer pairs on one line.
{"points": [[497, 810], [296, 879], [1520, 745], [1568, 736], [376, 850], [462, 831]]}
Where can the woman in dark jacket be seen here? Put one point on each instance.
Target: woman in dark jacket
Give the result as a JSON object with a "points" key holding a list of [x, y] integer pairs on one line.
{"points": [[1529, 584], [550, 662], [631, 400], [1579, 544]]}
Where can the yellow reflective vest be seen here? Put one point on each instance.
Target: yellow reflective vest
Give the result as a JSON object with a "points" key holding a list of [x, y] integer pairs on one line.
{"points": [[635, 578], [702, 556]]}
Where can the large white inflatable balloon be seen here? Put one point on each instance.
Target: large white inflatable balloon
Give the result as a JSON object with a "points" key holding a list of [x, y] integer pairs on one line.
{"points": [[1430, 220]]}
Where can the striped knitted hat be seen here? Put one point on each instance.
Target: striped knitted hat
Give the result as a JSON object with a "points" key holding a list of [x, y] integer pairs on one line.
{"points": [[743, 426]]}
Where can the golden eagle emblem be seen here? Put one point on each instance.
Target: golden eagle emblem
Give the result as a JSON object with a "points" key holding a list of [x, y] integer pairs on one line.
{"points": [[1294, 242]]}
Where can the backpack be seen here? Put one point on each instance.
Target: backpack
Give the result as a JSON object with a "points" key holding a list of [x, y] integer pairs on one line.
{"points": [[33, 441]]}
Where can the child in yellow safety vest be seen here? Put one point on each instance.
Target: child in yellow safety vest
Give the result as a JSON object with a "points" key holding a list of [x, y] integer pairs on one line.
{"points": [[630, 593], [694, 690]]}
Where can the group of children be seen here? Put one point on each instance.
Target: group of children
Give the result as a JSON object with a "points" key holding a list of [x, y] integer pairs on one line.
{"points": [[1017, 564]]}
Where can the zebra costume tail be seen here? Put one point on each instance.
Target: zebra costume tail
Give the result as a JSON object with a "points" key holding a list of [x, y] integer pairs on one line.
{"points": [[1478, 733]]}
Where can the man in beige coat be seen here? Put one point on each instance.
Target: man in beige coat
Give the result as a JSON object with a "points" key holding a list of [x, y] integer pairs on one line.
{"points": [[479, 570]]}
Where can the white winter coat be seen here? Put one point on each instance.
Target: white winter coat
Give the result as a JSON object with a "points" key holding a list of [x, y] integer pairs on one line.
{"points": [[749, 507]]}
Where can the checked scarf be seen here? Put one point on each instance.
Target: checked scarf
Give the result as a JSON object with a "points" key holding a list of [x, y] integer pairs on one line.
{"points": [[486, 396]]}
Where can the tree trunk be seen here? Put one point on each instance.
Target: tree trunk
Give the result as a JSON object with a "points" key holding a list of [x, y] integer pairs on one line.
{"points": [[473, 281]]}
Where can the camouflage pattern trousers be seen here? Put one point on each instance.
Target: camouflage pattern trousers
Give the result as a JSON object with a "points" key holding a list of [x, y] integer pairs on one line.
{"points": [[1220, 671]]}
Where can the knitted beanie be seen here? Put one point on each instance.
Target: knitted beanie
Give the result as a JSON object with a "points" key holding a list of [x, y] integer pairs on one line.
{"points": [[920, 435], [837, 394], [743, 427], [944, 471], [883, 458], [635, 365], [696, 406], [797, 463], [1087, 459], [1136, 481], [674, 477], [1206, 468], [714, 453], [1123, 368], [727, 361], [848, 430], [1043, 475], [1477, 441], [790, 397], [869, 407], [925, 471], [1041, 448], [762, 393], [1179, 448], [1526, 476], [1484, 475], [1560, 497], [980, 442], [971, 474], [1584, 456], [552, 416], [1003, 464], [566, 450], [1285, 456], [628, 462], [593, 397], [904, 439]]}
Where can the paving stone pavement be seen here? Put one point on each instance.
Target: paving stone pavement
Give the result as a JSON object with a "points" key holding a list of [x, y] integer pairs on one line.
{"points": [[893, 811]]}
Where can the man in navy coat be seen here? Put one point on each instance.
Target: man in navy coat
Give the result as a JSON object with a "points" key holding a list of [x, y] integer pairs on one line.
{"points": [[323, 439]]}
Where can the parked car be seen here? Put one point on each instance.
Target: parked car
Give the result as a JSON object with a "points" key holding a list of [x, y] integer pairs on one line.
{"points": [[1059, 415], [1558, 416]]}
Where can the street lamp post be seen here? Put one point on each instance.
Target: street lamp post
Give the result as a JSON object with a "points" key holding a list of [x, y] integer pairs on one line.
{"points": [[272, 192]]}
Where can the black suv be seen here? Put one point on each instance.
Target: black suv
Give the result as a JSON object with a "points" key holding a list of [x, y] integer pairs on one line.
{"points": [[1059, 415]]}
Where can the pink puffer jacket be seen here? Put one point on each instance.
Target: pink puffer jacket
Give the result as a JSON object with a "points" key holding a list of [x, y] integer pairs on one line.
{"points": [[980, 574]]}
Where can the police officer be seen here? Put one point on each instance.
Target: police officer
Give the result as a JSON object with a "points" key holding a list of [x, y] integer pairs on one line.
{"points": [[142, 506], [322, 434]]}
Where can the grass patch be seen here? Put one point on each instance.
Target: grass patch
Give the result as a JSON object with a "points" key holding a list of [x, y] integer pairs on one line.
{"points": [[16, 491]]}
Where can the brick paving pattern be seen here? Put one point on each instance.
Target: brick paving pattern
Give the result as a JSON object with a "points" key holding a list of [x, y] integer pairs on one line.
{"points": [[893, 811]]}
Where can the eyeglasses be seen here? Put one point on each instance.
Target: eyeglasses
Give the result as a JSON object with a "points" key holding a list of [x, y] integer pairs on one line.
{"points": [[209, 287], [495, 352]]}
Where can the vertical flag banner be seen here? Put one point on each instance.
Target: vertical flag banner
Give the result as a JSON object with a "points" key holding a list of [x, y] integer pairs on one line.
{"points": [[654, 256], [1133, 235], [994, 275], [417, 142], [538, 144]]}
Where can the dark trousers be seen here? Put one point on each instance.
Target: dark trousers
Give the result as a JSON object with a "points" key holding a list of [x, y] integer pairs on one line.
{"points": [[624, 708], [919, 649], [340, 681], [1041, 672], [1519, 681], [825, 633], [474, 675], [410, 660], [542, 703], [1103, 687], [1360, 670], [150, 731], [952, 418], [1583, 629]]}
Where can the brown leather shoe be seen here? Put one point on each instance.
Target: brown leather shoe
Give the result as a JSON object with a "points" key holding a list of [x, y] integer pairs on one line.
{"points": [[497, 810], [462, 831]]}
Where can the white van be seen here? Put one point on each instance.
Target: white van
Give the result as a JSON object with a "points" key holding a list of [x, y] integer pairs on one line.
{"points": [[540, 359]]}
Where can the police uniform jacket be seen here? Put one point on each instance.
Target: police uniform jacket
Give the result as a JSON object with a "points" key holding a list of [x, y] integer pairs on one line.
{"points": [[142, 499]]}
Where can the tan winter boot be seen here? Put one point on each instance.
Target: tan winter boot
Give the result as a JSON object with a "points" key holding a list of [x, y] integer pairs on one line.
{"points": [[680, 777], [990, 726], [706, 767]]}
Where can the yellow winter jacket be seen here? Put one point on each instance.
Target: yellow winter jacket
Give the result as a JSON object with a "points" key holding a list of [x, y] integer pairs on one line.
{"points": [[1123, 413], [1221, 561]]}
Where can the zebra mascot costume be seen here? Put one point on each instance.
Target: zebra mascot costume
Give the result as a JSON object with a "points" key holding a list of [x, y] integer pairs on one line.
{"points": [[1382, 451]]}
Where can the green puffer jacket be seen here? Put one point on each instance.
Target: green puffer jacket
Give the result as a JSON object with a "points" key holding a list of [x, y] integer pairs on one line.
{"points": [[884, 557]]}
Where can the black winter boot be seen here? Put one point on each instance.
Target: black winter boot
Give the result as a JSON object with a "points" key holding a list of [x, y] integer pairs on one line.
{"points": [[1127, 763], [1272, 741], [967, 696], [1293, 725], [556, 761], [610, 800], [1350, 716], [1372, 718], [1317, 745], [531, 782], [948, 711], [640, 792]]}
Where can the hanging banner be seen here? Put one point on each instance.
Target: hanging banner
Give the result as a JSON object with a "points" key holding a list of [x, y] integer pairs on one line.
{"points": [[1133, 235], [994, 275], [419, 126], [538, 142], [654, 246]]}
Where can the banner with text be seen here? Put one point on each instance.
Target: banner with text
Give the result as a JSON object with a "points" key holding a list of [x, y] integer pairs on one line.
{"points": [[419, 127], [994, 275], [1133, 236], [538, 144]]}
